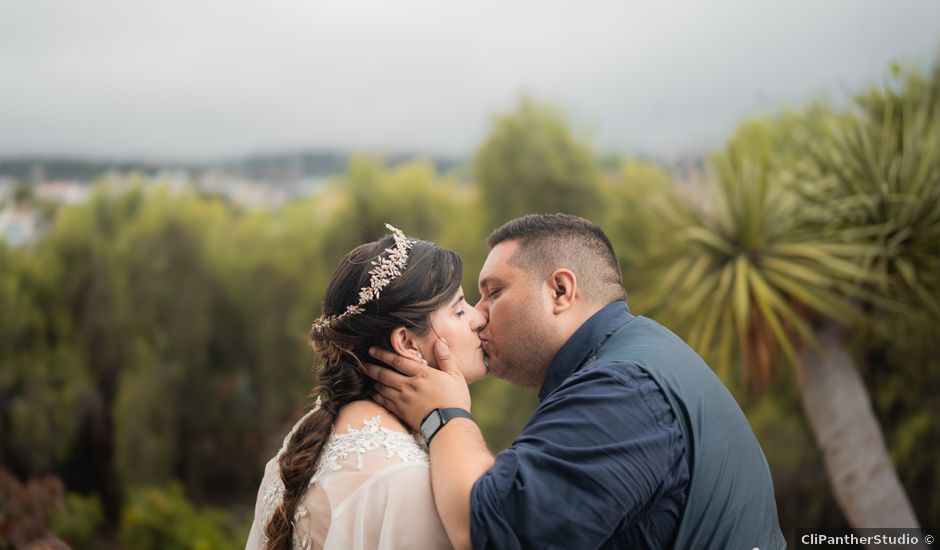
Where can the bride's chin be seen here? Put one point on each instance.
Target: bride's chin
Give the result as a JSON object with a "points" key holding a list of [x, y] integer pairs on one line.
{"points": [[477, 373]]}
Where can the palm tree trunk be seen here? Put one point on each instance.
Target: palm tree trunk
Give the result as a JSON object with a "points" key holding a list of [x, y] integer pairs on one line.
{"points": [[839, 410]]}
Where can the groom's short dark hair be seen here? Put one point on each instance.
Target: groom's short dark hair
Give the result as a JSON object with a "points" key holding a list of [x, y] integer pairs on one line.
{"points": [[551, 241]]}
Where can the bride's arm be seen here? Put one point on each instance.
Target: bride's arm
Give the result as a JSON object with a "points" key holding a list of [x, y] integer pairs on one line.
{"points": [[459, 457]]}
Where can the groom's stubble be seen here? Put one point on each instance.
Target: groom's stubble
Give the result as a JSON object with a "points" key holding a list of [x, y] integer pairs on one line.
{"points": [[525, 339]]}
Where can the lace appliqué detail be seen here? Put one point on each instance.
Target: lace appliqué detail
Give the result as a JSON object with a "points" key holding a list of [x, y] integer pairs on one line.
{"points": [[370, 438], [408, 448], [271, 499]]}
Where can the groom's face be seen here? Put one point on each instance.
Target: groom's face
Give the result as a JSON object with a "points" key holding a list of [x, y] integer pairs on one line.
{"points": [[519, 334]]}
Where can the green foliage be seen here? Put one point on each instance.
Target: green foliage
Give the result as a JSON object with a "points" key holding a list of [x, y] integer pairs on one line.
{"points": [[23, 193], [164, 519], [644, 209], [531, 163], [501, 410], [881, 175], [77, 522], [44, 376], [410, 197]]}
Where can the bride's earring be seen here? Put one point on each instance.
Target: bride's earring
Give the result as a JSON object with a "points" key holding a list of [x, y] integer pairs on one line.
{"points": [[421, 358]]}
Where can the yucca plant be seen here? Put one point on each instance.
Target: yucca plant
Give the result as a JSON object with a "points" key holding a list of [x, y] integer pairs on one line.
{"points": [[880, 179], [768, 278], [881, 169]]}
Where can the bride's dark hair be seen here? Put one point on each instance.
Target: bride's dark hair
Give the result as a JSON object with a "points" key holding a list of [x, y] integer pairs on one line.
{"points": [[431, 277]]}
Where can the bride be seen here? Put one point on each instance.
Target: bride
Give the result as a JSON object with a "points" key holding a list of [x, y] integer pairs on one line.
{"points": [[349, 474]]}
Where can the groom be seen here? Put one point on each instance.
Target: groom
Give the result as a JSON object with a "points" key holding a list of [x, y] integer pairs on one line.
{"points": [[635, 443]]}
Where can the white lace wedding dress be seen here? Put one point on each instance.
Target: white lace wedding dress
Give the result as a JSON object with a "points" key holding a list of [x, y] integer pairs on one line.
{"points": [[371, 489]]}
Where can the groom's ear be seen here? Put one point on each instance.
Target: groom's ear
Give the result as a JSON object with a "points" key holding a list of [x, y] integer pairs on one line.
{"points": [[564, 287], [404, 343]]}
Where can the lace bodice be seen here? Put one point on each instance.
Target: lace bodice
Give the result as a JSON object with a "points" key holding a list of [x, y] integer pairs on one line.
{"points": [[367, 487], [410, 449]]}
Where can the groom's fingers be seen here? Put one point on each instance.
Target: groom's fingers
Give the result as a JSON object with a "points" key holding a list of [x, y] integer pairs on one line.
{"points": [[388, 395], [390, 399], [387, 391], [402, 364], [445, 361], [385, 376]]}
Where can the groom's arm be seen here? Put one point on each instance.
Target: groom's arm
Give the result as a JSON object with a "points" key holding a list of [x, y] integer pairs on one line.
{"points": [[459, 456]]}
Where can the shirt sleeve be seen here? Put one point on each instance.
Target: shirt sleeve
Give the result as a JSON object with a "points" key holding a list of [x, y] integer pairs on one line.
{"points": [[594, 454]]}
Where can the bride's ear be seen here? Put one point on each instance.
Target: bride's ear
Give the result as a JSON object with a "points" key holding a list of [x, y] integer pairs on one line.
{"points": [[404, 343]]}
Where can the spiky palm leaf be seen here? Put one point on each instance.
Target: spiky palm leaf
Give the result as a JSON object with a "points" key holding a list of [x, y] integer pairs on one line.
{"points": [[751, 267], [882, 169]]}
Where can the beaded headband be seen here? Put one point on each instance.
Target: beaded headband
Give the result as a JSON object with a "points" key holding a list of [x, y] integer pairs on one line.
{"points": [[386, 269]]}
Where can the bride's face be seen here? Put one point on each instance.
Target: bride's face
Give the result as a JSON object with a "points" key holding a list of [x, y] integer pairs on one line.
{"points": [[458, 323]]}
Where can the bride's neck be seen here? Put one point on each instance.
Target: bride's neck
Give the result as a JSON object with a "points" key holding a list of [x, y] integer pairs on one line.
{"points": [[357, 412]]}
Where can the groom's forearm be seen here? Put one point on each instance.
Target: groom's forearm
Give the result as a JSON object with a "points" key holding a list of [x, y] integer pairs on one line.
{"points": [[459, 457]]}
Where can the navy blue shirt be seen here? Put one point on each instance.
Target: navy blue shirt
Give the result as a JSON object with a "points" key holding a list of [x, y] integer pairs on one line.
{"points": [[601, 463]]}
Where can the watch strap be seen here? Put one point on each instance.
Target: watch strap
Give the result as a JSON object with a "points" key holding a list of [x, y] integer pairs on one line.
{"points": [[445, 415], [451, 413]]}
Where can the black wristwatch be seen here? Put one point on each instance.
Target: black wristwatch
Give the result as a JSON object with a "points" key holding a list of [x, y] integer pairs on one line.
{"points": [[438, 417]]}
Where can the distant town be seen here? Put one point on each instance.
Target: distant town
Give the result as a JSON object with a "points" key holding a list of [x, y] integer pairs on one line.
{"points": [[263, 181]]}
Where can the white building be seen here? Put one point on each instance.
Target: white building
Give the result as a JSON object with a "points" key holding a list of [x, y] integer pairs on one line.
{"points": [[18, 225]]}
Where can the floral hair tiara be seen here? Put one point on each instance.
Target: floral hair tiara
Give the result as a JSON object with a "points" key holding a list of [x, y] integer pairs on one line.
{"points": [[385, 271]]}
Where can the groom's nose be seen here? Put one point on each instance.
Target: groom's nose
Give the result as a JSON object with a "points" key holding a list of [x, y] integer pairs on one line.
{"points": [[483, 310]]}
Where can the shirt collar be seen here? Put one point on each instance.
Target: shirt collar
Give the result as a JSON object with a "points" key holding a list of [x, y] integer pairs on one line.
{"points": [[583, 344]]}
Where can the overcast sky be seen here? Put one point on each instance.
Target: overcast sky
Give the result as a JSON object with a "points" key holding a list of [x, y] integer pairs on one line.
{"points": [[190, 79]]}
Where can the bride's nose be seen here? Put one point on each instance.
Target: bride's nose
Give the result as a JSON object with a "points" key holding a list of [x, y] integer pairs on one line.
{"points": [[477, 320]]}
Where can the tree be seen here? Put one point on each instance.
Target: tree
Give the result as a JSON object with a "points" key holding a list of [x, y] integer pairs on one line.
{"points": [[644, 205], [881, 179], [531, 163], [823, 226]]}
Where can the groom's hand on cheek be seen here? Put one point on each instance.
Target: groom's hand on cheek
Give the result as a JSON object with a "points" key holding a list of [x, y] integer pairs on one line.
{"points": [[411, 390]]}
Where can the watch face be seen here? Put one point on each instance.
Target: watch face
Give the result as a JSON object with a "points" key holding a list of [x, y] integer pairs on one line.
{"points": [[431, 424]]}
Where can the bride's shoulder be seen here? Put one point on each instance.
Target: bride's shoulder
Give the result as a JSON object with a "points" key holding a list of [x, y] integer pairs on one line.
{"points": [[357, 413]]}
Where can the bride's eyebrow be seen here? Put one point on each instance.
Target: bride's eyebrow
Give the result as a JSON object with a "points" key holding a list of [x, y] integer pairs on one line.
{"points": [[457, 300]]}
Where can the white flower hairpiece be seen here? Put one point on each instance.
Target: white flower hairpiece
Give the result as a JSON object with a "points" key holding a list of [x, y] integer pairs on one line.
{"points": [[385, 271]]}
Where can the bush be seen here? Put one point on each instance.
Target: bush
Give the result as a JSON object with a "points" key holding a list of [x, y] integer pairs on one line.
{"points": [[78, 522], [163, 518]]}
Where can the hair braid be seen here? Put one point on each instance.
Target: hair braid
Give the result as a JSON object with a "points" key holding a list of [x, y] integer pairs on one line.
{"points": [[341, 381]]}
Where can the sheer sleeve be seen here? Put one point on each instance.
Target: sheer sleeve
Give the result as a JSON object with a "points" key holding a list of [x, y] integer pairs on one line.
{"points": [[269, 495], [393, 509], [372, 489], [270, 492]]}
